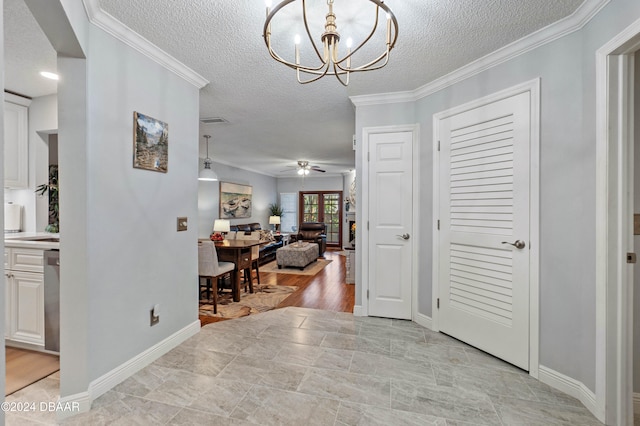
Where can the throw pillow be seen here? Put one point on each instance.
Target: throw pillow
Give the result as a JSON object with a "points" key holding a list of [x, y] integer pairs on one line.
{"points": [[266, 236]]}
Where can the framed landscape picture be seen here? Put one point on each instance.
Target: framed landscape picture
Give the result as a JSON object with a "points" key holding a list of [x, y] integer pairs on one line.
{"points": [[235, 200], [150, 143]]}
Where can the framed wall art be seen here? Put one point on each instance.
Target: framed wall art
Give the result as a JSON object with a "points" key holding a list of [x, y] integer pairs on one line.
{"points": [[150, 143], [235, 200]]}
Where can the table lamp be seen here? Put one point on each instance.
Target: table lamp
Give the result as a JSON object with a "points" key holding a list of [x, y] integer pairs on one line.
{"points": [[275, 221], [220, 227]]}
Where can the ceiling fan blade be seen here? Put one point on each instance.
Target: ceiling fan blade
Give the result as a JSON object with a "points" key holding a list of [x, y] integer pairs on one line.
{"points": [[317, 169]]}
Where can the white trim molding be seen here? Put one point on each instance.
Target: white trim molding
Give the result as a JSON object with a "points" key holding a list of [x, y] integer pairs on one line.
{"points": [[120, 31], [358, 311], [125, 370], [614, 183], [569, 386], [423, 320], [571, 23], [636, 403], [533, 87]]}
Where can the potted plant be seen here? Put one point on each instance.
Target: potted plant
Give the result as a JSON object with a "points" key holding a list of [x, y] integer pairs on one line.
{"points": [[52, 189], [275, 210]]}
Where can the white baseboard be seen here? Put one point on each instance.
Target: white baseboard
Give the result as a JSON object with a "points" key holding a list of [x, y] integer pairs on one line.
{"points": [[636, 403], [571, 387], [424, 321], [357, 311], [116, 376]]}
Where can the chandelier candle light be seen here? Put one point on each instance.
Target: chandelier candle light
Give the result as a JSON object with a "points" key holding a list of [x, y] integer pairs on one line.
{"points": [[330, 62]]}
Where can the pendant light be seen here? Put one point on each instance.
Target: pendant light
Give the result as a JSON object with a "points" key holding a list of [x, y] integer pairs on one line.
{"points": [[207, 173]]}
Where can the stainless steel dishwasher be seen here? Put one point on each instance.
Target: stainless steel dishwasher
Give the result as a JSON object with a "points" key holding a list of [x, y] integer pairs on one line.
{"points": [[52, 300]]}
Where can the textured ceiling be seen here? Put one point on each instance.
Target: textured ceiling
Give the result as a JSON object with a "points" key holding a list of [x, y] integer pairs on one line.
{"points": [[27, 52], [272, 120]]}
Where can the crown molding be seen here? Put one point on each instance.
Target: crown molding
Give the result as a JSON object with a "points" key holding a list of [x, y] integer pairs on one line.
{"points": [[120, 31], [574, 22]]}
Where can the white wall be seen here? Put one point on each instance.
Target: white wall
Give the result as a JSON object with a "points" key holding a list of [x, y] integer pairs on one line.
{"points": [[567, 162], [264, 193], [43, 116]]}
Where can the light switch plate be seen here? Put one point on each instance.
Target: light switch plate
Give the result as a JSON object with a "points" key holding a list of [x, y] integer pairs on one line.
{"points": [[182, 224]]}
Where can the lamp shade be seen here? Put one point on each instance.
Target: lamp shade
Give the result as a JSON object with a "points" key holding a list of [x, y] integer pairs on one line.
{"points": [[221, 225], [207, 173], [274, 220]]}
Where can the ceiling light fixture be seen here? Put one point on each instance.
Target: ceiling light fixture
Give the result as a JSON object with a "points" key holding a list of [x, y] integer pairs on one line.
{"points": [[330, 63], [50, 75], [207, 173]]}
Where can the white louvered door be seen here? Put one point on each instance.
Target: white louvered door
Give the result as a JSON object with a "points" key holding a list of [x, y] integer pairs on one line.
{"points": [[484, 205]]}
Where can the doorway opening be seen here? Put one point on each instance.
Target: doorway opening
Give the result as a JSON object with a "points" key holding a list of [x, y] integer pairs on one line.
{"points": [[615, 63], [326, 207]]}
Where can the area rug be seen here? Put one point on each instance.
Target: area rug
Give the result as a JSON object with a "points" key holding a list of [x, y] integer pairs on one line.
{"points": [[311, 269], [264, 298], [25, 367]]}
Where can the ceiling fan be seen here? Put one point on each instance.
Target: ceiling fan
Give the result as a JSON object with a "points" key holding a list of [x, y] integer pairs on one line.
{"points": [[304, 168]]}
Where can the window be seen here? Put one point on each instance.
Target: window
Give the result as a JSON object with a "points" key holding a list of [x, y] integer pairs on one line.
{"points": [[324, 206]]}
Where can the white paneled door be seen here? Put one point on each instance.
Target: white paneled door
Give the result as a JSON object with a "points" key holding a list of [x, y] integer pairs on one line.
{"points": [[390, 216], [484, 227]]}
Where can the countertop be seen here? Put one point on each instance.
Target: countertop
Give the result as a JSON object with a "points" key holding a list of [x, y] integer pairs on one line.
{"points": [[31, 240]]}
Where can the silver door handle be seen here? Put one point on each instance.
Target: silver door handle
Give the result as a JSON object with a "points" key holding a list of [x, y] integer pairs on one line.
{"points": [[404, 236], [519, 244]]}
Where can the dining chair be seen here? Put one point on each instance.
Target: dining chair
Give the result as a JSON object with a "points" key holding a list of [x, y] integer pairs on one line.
{"points": [[255, 254], [210, 269]]}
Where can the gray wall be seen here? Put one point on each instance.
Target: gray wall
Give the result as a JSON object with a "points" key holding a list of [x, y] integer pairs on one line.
{"points": [[2, 293], [636, 239], [310, 183], [120, 252], [264, 193], [136, 258], [567, 166]]}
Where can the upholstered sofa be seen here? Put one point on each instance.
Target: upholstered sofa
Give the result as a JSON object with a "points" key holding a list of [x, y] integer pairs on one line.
{"points": [[313, 232], [269, 246]]}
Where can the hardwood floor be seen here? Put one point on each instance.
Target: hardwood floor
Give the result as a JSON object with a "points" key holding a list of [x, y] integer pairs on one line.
{"points": [[24, 367], [325, 290]]}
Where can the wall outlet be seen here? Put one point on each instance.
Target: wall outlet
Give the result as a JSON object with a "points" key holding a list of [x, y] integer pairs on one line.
{"points": [[154, 315], [182, 224]]}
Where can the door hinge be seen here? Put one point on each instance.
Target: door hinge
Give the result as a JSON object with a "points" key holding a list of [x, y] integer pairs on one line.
{"points": [[368, 156], [438, 145], [367, 294], [438, 224], [367, 225], [438, 303], [631, 258]]}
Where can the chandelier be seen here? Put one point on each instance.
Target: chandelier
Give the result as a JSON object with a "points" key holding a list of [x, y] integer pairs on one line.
{"points": [[329, 60]]}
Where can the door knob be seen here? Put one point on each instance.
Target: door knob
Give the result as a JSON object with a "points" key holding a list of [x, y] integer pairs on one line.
{"points": [[404, 236], [519, 244]]}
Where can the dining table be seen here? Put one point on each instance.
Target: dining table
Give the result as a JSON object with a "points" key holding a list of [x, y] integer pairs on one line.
{"points": [[238, 252]]}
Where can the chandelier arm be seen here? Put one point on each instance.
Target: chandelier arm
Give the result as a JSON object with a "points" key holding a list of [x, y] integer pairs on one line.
{"points": [[319, 75], [306, 27], [337, 74], [277, 57], [368, 66], [373, 30]]}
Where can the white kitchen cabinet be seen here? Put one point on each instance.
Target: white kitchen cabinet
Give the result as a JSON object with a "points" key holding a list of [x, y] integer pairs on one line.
{"points": [[16, 142], [27, 307], [24, 292]]}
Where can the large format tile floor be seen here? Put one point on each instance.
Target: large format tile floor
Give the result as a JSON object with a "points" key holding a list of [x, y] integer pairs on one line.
{"points": [[298, 366]]}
